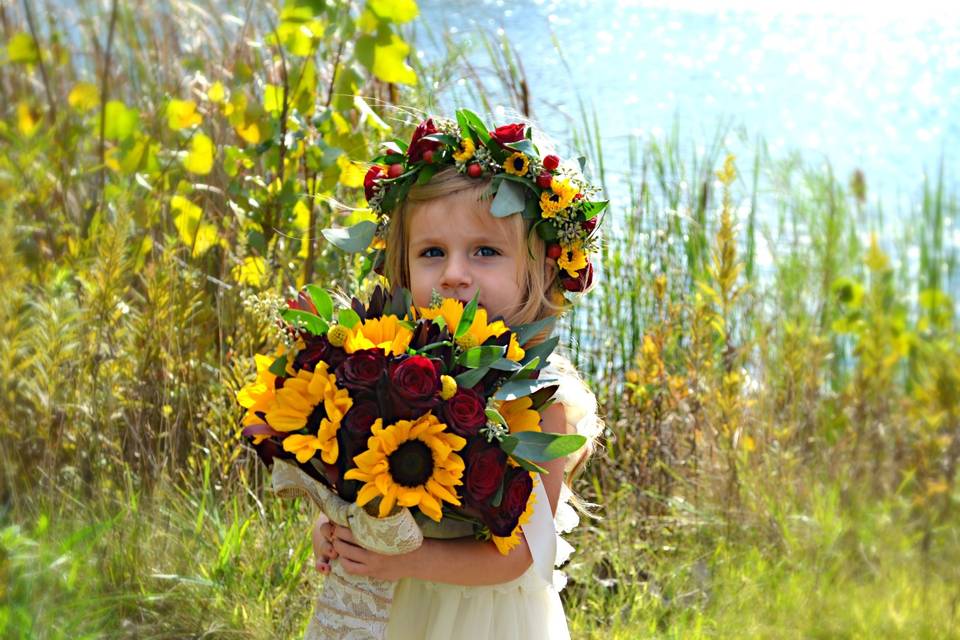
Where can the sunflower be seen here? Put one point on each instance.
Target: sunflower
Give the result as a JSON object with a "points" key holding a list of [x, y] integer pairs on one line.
{"points": [[451, 310], [506, 543], [519, 416], [387, 333], [467, 149], [557, 198], [258, 396], [517, 164], [514, 351], [310, 400], [412, 464], [573, 259]]}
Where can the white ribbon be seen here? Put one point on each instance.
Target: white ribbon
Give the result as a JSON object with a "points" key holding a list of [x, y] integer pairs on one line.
{"points": [[540, 534]]}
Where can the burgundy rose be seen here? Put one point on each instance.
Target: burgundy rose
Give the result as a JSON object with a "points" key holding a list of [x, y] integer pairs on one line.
{"points": [[508, 133], [360, 418], [317, 348], [516, 491], [414, 386], [362, 370], [464, 412], [485, 465], [369, 180], [418, 145], [582, 282]]}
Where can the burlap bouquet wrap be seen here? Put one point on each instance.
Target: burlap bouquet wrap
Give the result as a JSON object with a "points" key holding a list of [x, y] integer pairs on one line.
{"points": [[350, 607]]}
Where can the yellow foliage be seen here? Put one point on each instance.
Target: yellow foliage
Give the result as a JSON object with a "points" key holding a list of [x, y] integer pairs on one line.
{"points": [[83, 96], [200, 158], [216, 92], [27, 122], [351, 173], [182, 114]]}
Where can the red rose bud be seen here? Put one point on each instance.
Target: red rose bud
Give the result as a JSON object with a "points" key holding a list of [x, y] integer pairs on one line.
{"points": [[414, 386], [508, 133], [370, 180], [418, 145], [589, 225], [474, 170], [485, 466], [464, 412], [362, 370], [428, 156], [395, 170], [544, 180], [579, 196], [551, 162], [582, 282], [554, 251], [317, 348]]}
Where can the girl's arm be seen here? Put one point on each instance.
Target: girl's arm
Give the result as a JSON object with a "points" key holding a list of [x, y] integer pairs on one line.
{"points": [[462, 561]]}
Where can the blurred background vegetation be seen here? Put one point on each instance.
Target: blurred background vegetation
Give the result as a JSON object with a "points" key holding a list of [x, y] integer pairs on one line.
{"points": [[782, 442]]}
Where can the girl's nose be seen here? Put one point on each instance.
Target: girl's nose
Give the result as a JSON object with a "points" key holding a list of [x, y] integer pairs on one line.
{"points": [[456, 274]]}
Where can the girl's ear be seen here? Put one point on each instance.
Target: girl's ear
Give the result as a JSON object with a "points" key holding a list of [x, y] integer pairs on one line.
{"points": [[550, 270]]}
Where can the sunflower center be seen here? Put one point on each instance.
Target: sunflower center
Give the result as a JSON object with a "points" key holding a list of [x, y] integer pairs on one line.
{"points": [[518, 164], [411, 465]]}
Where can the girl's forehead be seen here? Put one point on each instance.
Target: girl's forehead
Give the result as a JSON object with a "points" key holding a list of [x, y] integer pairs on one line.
{"points": [[463, 212]]}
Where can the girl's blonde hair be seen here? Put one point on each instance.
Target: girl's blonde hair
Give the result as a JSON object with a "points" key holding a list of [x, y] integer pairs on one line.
{"points": [[539, 299]]}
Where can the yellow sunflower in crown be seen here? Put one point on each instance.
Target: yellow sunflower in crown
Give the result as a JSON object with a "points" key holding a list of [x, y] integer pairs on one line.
{"points": [[411, 463]]}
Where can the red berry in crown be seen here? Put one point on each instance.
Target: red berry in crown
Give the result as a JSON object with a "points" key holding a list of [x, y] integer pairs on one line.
{"points": [[589, 225], [428, 156], [474, 170], [554, 251], [551, 162], [544, 180], [395, 170]]}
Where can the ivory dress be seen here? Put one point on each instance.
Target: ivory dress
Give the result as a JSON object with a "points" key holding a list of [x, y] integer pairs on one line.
{"points": [[529, 607]]}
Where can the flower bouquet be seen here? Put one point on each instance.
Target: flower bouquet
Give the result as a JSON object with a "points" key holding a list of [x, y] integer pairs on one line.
{"points": [[387, 416]]}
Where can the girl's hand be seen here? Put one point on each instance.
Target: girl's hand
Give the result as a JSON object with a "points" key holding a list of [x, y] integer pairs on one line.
{"points": [[363, 562], [323, 550]]}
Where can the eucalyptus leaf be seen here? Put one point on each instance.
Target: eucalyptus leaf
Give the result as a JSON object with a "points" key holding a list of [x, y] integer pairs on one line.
{"points": [[524, 146], [514, 389], [538, 446], [481, 356], [352, 239], [542, 350], [509, 199], [469, 379], [505, 365], [527, 465], [527, 331]]}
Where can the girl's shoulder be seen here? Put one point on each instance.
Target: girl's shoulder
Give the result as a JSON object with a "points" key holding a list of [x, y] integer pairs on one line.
{"points": [[579, 402]]}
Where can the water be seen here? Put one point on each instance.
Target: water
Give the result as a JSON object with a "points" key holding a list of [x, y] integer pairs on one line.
{"points": [[874, 89]]}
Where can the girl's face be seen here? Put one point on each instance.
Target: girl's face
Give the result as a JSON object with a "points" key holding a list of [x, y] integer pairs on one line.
{"points": [[457, 247]]}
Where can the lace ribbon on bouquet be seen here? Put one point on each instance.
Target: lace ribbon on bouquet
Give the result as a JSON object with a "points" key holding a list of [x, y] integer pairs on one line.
{"points": [[350, 607]]}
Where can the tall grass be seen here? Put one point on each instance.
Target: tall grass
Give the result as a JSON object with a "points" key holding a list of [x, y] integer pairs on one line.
{"points": [[776, 362]]}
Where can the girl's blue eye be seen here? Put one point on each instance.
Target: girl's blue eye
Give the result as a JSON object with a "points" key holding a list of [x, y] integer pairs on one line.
{"points": [[487, 252], [432, 252]]}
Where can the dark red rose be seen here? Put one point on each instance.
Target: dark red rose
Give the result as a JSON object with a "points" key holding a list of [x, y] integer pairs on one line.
{"points": [[418, 145], [464, 412], [508, 133], [362, 370], [360, 418], [551, 162], [486, 464], [369, 180], [582, 282], [414, 386], [516, 491], [317, 348]]}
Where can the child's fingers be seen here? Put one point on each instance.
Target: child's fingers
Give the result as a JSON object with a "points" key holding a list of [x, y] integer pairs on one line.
{"points": [[344, 534], [321, 539]]}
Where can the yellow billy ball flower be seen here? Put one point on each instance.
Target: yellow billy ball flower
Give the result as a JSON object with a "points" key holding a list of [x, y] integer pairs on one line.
{"points": [[467, 149], [517, 164], [337, 335], [448, 387]]}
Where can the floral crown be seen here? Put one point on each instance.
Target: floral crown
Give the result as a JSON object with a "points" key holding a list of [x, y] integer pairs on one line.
{"points": [[553, 196]]}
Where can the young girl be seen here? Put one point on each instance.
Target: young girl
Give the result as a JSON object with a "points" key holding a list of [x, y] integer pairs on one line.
{"points": [[442, 237]]}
